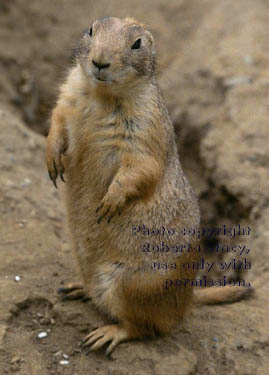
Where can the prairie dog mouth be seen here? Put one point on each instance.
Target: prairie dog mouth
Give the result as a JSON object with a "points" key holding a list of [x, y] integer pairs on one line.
{"points": [[102, 80]]}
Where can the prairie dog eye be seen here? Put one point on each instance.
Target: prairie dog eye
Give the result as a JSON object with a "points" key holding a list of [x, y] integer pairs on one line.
{"points": [[136, 44], [90, 32]]}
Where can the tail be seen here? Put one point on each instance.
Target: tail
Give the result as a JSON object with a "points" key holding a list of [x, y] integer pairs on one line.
{"points": [[226, 294]]}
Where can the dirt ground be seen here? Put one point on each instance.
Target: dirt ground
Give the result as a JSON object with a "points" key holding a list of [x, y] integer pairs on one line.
{"points": [[214, 72]]}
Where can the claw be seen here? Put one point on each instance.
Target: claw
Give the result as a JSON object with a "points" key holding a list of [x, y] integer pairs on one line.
{"points": [[101, 217], [55, 169], [101, 336], [113, 214], [99, 207], [61, 175], [76, 294], [86, 338], [73, 291], [53, 180], [107, 211], [69, 288], [99, 220], [50, 176]]}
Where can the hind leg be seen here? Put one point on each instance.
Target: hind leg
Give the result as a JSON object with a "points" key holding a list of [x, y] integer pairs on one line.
{"points": [[142, 308]]}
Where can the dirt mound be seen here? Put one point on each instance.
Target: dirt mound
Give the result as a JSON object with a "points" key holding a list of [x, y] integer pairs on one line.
{"points": [[214, 74]]}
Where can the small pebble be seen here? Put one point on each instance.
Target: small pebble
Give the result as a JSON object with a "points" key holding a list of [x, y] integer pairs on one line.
{"points": [[26, 182], [64, 362], [248, 59], [22, 223], [17, 278], [15, 359], [45, 321], [42, 335], [236, 80]]}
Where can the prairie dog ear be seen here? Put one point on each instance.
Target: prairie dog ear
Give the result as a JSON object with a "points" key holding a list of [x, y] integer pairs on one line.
{"points": [[133, 21]]}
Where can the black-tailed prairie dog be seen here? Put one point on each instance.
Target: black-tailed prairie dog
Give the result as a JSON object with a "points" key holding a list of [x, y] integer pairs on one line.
{"points": [[113, 141]]}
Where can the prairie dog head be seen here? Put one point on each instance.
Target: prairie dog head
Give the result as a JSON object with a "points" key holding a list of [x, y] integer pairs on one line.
{"points": [[116, 52]]}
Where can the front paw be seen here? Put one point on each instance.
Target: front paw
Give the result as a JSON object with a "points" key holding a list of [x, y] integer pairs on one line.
{"points": [[110, 206], [54, 164]]}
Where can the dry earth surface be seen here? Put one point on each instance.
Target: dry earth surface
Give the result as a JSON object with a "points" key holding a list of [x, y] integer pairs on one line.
{"points": [[214, 72]]}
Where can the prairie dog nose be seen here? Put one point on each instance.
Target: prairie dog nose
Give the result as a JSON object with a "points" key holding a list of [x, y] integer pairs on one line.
{"points": [[99, 65]]}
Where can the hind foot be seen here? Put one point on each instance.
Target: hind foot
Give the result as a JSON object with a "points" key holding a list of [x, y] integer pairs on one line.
{"points": [[73, 291], [98, 338]]}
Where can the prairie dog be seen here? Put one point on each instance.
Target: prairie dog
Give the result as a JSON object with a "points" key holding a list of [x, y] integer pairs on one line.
{"points": [[113, 141]]}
